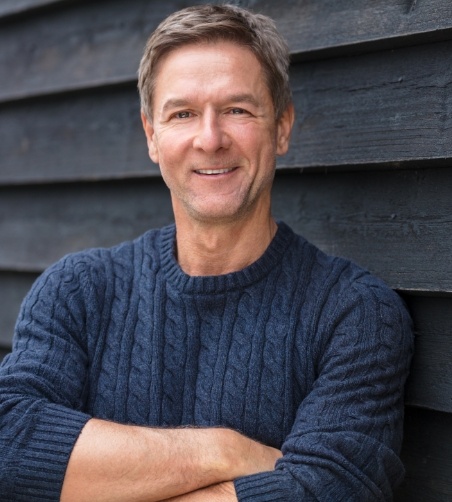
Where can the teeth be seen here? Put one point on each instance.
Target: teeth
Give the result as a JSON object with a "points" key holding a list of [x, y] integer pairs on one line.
{"points": [[214, 171]]}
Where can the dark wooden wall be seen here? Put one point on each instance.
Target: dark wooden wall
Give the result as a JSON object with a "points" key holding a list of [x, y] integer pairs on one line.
{"points": [[369, 175]]}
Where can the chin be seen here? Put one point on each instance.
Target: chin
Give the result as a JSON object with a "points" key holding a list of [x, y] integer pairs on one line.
{"points": [[226, 215], [207, 210]]}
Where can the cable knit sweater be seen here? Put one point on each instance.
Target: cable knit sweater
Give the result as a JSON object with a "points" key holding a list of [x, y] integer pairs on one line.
{"points": [[302, 351]]}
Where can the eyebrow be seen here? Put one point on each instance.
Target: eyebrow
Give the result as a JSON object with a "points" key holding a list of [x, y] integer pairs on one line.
{"points": [[243, 98], [233, 98], [174, 103]]}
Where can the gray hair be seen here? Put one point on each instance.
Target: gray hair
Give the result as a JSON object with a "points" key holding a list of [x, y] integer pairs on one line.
{"points": [[213, 23]]}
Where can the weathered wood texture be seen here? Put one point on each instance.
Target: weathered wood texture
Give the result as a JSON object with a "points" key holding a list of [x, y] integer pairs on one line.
{"points": [[76, 136], [10, 8], [321, 28], [396, 223], [89, 43], [86, 44], [390, 109], [427, 456], [430, 382], [38, 226]]}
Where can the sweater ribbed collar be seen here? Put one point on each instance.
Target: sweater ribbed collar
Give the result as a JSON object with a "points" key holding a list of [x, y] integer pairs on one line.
{"points": [[227, 282]]}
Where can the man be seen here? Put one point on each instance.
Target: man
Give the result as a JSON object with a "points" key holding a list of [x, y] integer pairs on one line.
{"points": [[223, 358]]}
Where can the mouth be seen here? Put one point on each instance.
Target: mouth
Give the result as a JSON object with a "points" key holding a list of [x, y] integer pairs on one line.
{"points": [[215, 171]]}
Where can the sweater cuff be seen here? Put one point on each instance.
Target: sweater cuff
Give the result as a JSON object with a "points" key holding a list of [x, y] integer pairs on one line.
{"points": [[49, 448], [267, 486]]}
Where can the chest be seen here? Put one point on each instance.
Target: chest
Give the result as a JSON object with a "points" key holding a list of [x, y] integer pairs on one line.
{"points": [[208, 360]]}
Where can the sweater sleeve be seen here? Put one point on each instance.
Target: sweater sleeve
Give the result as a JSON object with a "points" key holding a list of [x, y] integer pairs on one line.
{"points": [[346, 438], [42, 384]]}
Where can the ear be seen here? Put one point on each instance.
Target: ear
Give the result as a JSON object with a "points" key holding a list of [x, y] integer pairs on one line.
{"points": [[284, 128], [150, 137]]}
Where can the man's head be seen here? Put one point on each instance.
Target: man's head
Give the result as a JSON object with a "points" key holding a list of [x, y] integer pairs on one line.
{"points": [[216, 111], [214, 23]]}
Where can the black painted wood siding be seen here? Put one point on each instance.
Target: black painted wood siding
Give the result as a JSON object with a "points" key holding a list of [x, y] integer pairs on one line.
{"points": [[369, 174]]}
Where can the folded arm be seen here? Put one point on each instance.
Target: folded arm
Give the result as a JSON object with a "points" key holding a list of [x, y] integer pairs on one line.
{"points": [[345, 441], [116, 463], [51, 446]]}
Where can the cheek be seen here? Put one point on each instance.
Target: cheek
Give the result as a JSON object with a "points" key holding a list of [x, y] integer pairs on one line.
{"points": [[261, 149], [170, 163], [251, 141], [159, 151], [172, 145]]}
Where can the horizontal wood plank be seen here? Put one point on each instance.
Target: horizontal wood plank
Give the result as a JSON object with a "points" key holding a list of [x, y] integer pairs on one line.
{"points": [[10, 8], [321, 28], [81, 136], [38, 225], [395, 223], [391, 108], [427, 456], [430, 382], [387, 109], [86, 44], [94, 43]]}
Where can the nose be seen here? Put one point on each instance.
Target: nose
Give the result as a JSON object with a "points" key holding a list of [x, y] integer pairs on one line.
{"points": [[211, 135]]}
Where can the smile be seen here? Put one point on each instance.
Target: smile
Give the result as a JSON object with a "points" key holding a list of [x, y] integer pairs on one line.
{"points": [[214, 171]]}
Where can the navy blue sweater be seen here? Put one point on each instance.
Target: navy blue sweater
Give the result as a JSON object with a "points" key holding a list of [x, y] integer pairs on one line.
{"points": [[302, 351]]}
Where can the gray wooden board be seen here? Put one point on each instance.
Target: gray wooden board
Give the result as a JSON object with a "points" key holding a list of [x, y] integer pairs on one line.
{"points": [[396, 223], [430, 382], [15, 7], [40, 224], [87, 43], [76, 136], [320, 28], [385, 109], [427, 455]]}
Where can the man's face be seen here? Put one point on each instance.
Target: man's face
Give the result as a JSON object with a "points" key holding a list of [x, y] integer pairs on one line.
{"points": [[214, 131]]}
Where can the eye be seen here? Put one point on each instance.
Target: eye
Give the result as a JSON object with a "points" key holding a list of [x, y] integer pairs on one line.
{"points": [[237, 111], [182, 115]]}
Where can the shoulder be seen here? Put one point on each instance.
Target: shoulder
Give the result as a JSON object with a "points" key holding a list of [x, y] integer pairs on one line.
{"points": [[101, 257], [322, 272], [332, 270], [93, 269], [340, 289]]}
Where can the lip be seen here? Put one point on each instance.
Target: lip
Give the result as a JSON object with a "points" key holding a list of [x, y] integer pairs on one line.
{"points": [[215, 172]]}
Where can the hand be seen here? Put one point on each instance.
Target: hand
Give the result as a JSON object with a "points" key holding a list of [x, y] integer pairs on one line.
{"points": [[248, 457], [252, 457]]}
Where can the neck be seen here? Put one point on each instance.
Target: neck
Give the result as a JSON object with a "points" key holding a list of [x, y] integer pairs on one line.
{"points": [[217, 249]]}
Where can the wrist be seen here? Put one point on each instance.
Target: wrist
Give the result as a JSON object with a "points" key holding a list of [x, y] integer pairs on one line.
{"points": [[234, 452], [224, 453]]}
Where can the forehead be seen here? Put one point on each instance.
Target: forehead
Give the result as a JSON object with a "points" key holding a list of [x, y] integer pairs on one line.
{"points": [[207, 59], [219, 48]]}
